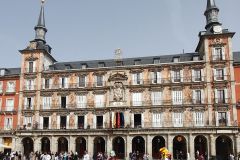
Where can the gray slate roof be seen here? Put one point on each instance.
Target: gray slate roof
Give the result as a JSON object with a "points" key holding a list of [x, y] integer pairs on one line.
{"points": [[236, 57], [11, 71]]}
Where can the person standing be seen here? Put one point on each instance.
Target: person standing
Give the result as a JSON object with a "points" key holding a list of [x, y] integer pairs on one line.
{"points": [[86, 156]]}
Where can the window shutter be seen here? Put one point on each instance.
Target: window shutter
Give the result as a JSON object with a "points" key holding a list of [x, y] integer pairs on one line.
{"points": [[60, 82], [228, 119], [226, 95], [85, 121], [202, 75], [58, 122], [153, 120], [67, 102], [142, 122], [152, 77], [25, 103], [94, 121], [181, 74], [43, 83], [214, 74], [194, 96], [132, 120], [104, 121], [216, 96], [34, 67], [67, 123], [202, 96], [141, 78], [193, 75], [216, 118], [172, 76], [134, 79], [225, 74], [194, 118], [50, 122], [76, 121], [214, 54], [41, 123], [159, 77], [223, 53], [50, 83], [66, 83]]}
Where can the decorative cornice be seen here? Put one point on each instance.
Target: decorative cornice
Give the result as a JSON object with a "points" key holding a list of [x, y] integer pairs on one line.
{"points": [[99, 112], [157, 110], [48, 75], [31, 58], [64, 93], [46, 94], [99, 73], [30, 76], [29, 94], [81, 92], [63, 113], [64, 74], [222, 109], [46, 114], [81, 74], [100, 92], [136, 70], [177, 109], [118, 77], [138, 90], [81, 113], [137, 111], [155, 89], [155, 69]]}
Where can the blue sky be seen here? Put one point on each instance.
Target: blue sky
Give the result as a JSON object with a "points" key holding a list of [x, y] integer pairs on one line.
{"points": [[93, 29]]}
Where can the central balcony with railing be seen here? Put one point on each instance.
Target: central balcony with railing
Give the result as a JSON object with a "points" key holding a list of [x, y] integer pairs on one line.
{"points": [[8, 110], [10, 89], [31, 70], [29, 87]]}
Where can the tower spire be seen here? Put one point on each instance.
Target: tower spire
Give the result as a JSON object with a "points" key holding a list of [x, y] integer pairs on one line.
{"points": [[40, 28], [211, 14]]}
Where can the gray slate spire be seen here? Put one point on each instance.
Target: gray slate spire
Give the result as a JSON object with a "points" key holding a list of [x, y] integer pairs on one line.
{"points": [[40, 28], [211, 14]]}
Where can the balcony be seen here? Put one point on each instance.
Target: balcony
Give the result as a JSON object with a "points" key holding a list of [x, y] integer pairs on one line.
{"points": [[29, 87], [221, 77], [217, 58], [8, 110], [221, 101], [30, 70], [28, 107], [10, 90]]}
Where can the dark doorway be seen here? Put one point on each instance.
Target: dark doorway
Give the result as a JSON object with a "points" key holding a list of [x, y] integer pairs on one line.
{"points": [[27, 145], [80, 146], [157, 143], [119, 147], [99, 145], [45, 145], [137, 120], [200, 147], [63, 122], [63, 102], [80, 122], [179, 147], [62, 145], [45, 122], [223, 147], [138, 146], [100, 122]]}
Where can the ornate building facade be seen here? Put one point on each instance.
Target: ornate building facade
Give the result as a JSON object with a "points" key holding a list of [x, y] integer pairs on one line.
{"points": [[185, 102]]}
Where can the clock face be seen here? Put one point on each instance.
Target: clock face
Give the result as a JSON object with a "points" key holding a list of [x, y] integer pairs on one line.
{"points": [[217, 29]]}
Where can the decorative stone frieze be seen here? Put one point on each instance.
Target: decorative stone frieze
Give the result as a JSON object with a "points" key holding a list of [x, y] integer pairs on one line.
{"points": [[64, 93], [29, 94], [118, 77], [46, 94], [30, 76]]}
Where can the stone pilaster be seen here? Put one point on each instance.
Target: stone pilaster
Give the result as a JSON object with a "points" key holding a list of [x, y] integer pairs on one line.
{"points": [[128, 146], [37, 144], [170, 143], [212, 146], [72, 144], [109, 144], [54, 144], [237, 144], [149, 145], [191, 146], [90, 145]]}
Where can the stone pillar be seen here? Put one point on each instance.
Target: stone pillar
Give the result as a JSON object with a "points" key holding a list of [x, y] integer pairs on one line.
{"points": [[90, 145], [37, 144], [54, 144], [1, 142], [19, 145], [128, 146], [72, 144], [170, 143], [191, 146], [212, 146], [149, 145], [108, 144], [237, 144]]}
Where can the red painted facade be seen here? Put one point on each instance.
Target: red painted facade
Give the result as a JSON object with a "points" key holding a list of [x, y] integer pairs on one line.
{"points": [[237, 89]]}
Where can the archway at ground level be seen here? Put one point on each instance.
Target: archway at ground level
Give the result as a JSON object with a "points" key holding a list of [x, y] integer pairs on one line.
{"points": [[45, 145], [119, 147], [200, 146], [138, 146], [179, 147], [223, 147], [157, 143], [62, 145], [27, 145], [80, 146], [99, 145]]}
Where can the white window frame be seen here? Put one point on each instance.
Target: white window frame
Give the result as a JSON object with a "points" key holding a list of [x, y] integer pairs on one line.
{"points": [[156, 97], [46, 102], [65, 84], [177, 119], [156, 77], [99, 100], [137, 78], [81, 101], [137, 99], [177, 97], [8, 123], [1, 86], [85, 80], [11, 107], [28, 122], [26, 102], [157, 119], [199, 118], [11, 88], [216, 55]]}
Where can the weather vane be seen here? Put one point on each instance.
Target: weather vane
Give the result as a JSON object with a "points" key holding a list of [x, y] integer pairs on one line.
{"points": [[42, 1]]}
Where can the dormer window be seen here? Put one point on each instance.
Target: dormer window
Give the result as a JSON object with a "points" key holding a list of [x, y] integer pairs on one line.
{"points": [[68, 66], [176, 59], [84, 66], [137, 62], [2, 72], [101, 64], [156, 60], [196, 58]]}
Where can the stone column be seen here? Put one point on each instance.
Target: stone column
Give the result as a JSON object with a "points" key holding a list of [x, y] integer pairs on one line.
{"points": [[1, 142], [90, 145], [108, 144], [149, 145], [191, 146], [128, 146], [54, 144], [212, 146], [170, 143], [72, 144], [37, 144], [237, 144]]}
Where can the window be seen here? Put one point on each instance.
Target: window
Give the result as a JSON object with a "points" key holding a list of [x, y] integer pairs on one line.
{"points": [[177, 119], [136, 78], [30, 67], [8, 123], [199, 120], [195, 58], [99, 121], [82, 81], [47, 101], [0, 103], [82, 101], [11, 86], [64, 82], [2, 72], [9, 104], [27, 122], [137, 62], [46, 83], [63, 122], [197, 96], [220, 96], [30, 84], [68, 66], [80, 122], [197, 75], [63, 102], [218, 54], [156, 77], [157, 119], [156, 60], [101, 64], [1, 86], [177, 97], [99, 100], [137, 120], [84, 66], [99, 80], [45, 122], [28, 103], [156, 98], [222, 118], [177, 76], [176, 59], [137, 99]]}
